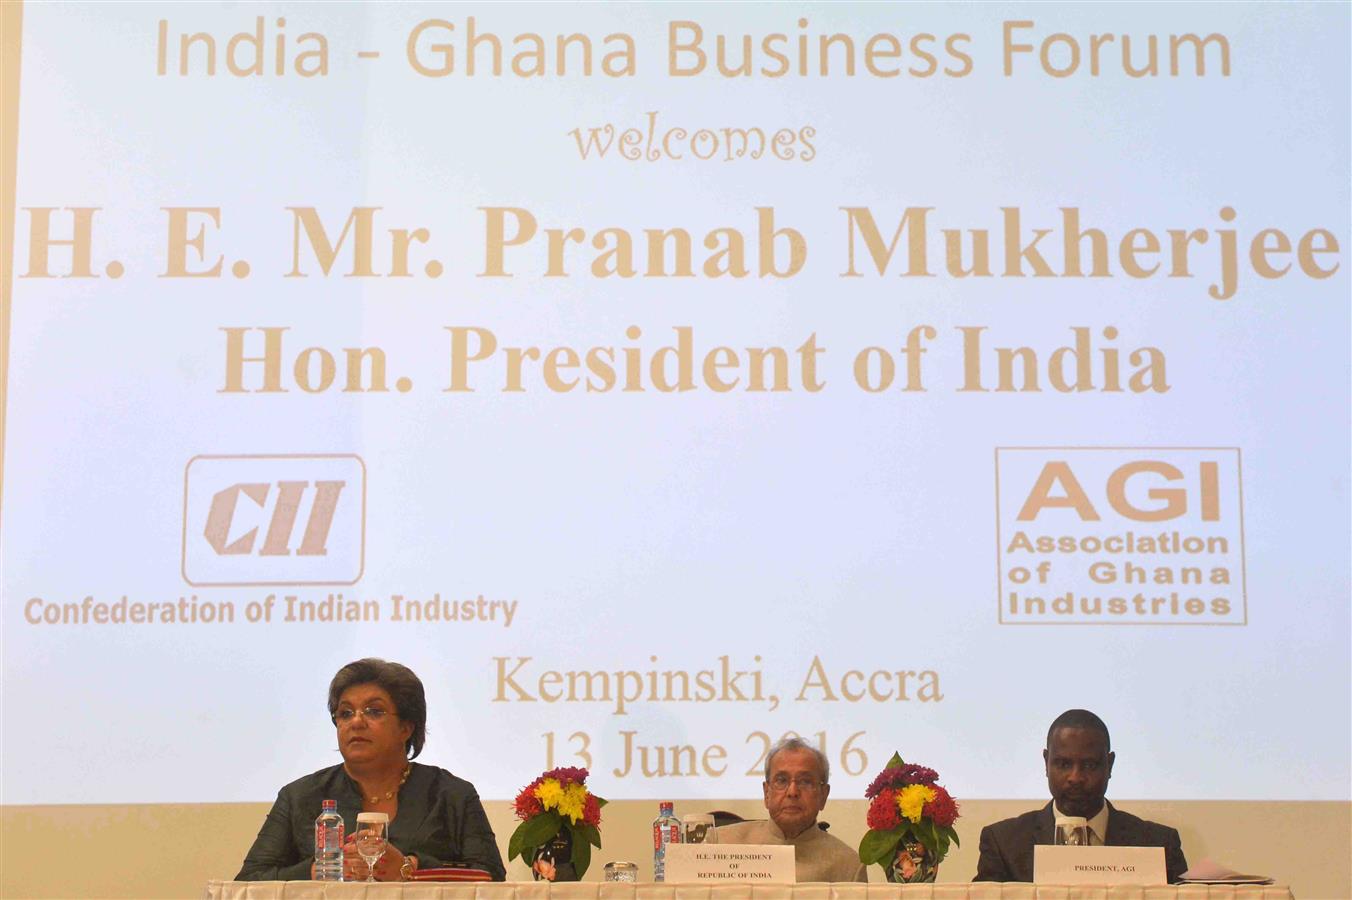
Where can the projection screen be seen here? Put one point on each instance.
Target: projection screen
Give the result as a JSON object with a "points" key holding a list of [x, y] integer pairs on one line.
{"points": [[657, 380]]}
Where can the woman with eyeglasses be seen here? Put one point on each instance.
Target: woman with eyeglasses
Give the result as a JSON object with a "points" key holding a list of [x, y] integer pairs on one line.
{"points": [[380, 711]]}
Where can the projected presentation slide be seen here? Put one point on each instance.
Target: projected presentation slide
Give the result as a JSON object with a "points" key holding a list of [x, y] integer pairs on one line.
{"points": [[656, 380]]}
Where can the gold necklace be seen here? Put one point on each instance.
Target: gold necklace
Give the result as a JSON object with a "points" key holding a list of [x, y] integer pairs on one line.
{"points": [[390, 794]]}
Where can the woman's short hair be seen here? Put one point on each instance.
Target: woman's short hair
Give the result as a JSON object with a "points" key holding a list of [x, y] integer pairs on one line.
{"points": [[404, 688]]}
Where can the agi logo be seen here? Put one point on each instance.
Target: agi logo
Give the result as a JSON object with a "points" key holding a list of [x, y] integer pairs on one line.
{"points": [[1120, 535], [274, 520]]}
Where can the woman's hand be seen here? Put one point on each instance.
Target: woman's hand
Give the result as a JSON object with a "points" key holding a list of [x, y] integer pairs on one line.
{"points": [[387, 867]]}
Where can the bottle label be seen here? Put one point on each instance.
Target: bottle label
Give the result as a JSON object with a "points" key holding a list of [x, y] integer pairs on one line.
{"points": [[665, 834], [329, 838]]}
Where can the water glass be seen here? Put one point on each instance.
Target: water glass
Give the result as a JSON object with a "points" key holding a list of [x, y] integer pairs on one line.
{"points": [[371, 836], [699, 828], [626, 872]]}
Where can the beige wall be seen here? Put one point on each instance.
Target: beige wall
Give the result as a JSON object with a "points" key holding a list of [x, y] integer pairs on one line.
{"points": [[172, 850]]}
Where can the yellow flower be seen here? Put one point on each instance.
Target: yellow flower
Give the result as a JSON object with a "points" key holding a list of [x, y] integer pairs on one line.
{"points": [[572, 802], [911, 800], [550, 793]]}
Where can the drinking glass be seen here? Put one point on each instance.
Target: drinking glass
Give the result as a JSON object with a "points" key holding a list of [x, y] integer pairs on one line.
{"points": [[699, 828], [372, 833], [621, 871]]}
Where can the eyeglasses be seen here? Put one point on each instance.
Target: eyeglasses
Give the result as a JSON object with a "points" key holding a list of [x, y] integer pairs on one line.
{"points": [[370, 714], [806, 784]]}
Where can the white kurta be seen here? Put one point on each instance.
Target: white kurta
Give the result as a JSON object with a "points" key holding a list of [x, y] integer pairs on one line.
{"points": [[818, 855]]}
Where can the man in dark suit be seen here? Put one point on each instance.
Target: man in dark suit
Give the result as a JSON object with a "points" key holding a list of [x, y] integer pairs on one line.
{"points": [[1079, 762]]}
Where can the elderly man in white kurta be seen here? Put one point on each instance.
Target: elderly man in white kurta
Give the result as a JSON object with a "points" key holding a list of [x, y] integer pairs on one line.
{"points": [[797, 783]]}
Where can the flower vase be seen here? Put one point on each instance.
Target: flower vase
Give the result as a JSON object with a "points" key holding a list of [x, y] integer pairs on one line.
{"points": [[912, 863], [553, 860]]}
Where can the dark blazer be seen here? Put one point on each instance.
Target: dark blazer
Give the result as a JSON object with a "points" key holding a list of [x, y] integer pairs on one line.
{"points": [[1007, 846], [440, 820]]}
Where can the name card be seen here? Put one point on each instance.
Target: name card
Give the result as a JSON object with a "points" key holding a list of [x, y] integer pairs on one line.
{"points": [[747, 863], [1098, 865]]}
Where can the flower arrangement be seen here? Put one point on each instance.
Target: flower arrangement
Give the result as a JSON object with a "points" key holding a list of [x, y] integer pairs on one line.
{"points": [[908, 807], [556, 802]]}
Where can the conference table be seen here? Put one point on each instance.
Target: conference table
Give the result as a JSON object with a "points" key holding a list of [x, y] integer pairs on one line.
{"points": [[528, 890]]}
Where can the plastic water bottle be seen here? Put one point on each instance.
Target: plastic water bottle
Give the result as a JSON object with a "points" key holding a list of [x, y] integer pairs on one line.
{"points": [[666, 830], [329, 843]]}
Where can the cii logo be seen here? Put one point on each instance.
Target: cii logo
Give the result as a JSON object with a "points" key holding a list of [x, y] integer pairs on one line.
{"points": [[274, 520]]}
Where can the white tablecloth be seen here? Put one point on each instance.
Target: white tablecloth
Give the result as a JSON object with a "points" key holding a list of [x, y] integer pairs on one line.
{"points": [[526, 890]]}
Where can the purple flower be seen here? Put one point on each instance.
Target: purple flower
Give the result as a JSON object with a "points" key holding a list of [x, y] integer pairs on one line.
{"points": [[567, 775], [918, 775], [884, 780], [900, 776]]}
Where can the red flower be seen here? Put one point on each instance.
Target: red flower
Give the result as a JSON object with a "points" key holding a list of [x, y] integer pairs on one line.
{"points": [[591, 810], [942, 809], [883, 814], [527, 804]]}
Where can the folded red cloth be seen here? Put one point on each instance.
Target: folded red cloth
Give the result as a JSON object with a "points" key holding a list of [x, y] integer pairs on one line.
{"points": [[448, 873]]}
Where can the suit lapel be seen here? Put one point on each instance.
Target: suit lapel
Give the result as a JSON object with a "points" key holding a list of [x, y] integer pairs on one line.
{"points": [[1045, 826], [1120, 831]]}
